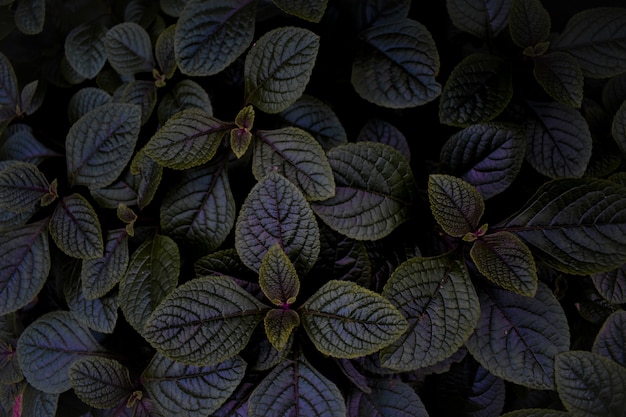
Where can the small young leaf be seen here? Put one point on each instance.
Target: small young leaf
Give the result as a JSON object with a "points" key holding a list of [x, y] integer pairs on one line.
{"points": [[618, 127], [278, 68], [84, 49], [211, 35], [345, 320], [164, 52], [400, 68], [75, 228], [85, 100], [129, 49], [99, 276], [484, 19], [191, 391], [279, 324], [22, 186], [455, 204], [590, 385], [278, 277], [294, 153], [376, 130], [275, 211], [529, 22], [30, 16], [187, 94], [478, 89], [100, 382], [560, 76], [48, 348], [240, 139], [611, 339], [387, 398], [611, 284], [311, 10], [204, 322]]}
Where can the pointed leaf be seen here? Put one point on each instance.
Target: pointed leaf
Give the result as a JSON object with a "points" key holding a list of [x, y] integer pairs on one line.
{"points": [[370, 207], [275, 211], [439, 301], [590, 385], [518, 337], [278, 68], [191, 391], [279, 324], [84, 49], [9, 95], [294, 387], [577, 225], [529, 23], [560, 76], [311, 10], [31, 97], [23, 146], [278, 277], [611, 339], [211, 35], [203, 322], [388, 398], [478, 89], [85, 100], [187, 94], [345, 320], [295, 154], [30, 16], [618, 127], [455, 204], [100, 382], [48, 348], [152, 274], [164, 52], [75, 228], [611, 284], [189, 138], [376, 130], [483, 19], [22, 186], [129, 49]]}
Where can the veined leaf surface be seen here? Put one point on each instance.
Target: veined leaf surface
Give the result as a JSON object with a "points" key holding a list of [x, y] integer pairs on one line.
{"points": [[100, 382], [85, 100], [455, 204], [536, 412], [100, 275], [39, 403], [311, 10], [30, 15], [560, 76], [529, 23], [618, 127], [371, 12], [129, 49], [84, 49], [9, 93], [279, 324], [22, 186], [387, 398], [164, 52], [186, 94], [75, 228], [611, 339], [143, 93], [278, 277], [611, 284], [24, 146], [482, 18], [377, 130]]}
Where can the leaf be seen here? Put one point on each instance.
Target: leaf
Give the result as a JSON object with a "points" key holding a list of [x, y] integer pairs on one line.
{"points": [[561, 77], [101, 143], [344, 320], [24, 265], [372, 12], [204, 322], [610, 341], [121, 191], [142, 93], [578, 226], [618, 127], [504, 259], [187, 94], [200, 208], [30, 15], [279, 324], [488, 156], [129, 49], [85, 100], [343, 258], [590, 385], [275, 211], [370, 207], [23, 146], [478, 90], [518, 337], [8, 85], [596, 37], [147, 175], [164, 51], [376, 130], [49, 346], [84, 49], [312, 11], [225, 262], [456, 205], [438, 299], [191, 391], [151, 275], [31, 97], [75, 228], [211, 35], [10, 372], [22, 186], [611, 284], [536, 412], [189, 138], [172, 7], [294, 387], [295, 154], [389, 398], [278, 67], [278, 277], [399, 67], [529, 22], [483, 19], [38, 403], [100, 382]]}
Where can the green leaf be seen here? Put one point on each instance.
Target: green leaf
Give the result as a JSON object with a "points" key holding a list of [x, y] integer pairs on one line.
{"points": [[151, 275], [278, 67], [456, 205], [536, 412], [483, 19], [189, 138], [590, 385], [611, 284], [275, 211], [129, 49], [164, 52], [559, 140], [49, 346], [204, 322], [294, 387], [240, 141], [100, 382], [311, 10], [478, 90], [200, 208], [278, 277], [376, 130], [596, 37], [191, 391], [618, 127], [75, 228], [37, 403], [504, 259], [295, 154], [187, 94], [211, 35], [578, 226], [367, 207], [22, 186], [561, 77], [279, 324], [85, 100], [24, 265], [438, 299], [30, 16], [345, 320], [9, 96], [518, 337], [610, 341], [388, 398], [84, 49], [529, 22], [399, 67], [488, 156], [143, 93], [101, 143]]}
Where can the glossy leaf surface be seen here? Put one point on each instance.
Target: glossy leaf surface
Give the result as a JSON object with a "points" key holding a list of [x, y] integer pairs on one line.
{"points": [[75, 228]]}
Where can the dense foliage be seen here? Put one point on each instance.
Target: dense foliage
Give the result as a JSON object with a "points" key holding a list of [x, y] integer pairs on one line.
{"points": [[312, 208]]}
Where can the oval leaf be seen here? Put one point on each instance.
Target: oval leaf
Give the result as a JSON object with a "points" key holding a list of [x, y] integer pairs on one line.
{"points": [[611, 339], [143, 93], [484, 19], [164, 52], [100, 382], [38, 403], [30, 15], [129, 49], [529, 23], [84, 49], [278, 277], [560, 76], [388, 398], [99, 276], [455, 204], [22, 186], [612, 285], [75, 228]]}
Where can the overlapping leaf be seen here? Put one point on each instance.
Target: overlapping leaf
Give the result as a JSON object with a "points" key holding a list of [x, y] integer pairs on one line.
{"points": [[24, 146], [536, 412], [377, 130], [484, 19], [143, 93], [455, 204], [560, 76], [618, 127], [100, 275], [529, 23], [75, 228], [279, 325], [611, 284], [9, 94], [85, 100], [30, 16], [311, 10], [610, 341], [344, 258], [129, 49], [84, 49], [39, 403], [100, 382], [22, 186], [164, 52], [278, 277], [186, 94], [146, 175], [387, 398]]}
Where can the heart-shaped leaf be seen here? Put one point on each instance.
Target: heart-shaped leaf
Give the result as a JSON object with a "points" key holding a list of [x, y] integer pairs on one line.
{"points": [[129, 48], [75, 228], [484, 19], [100, 382]]}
